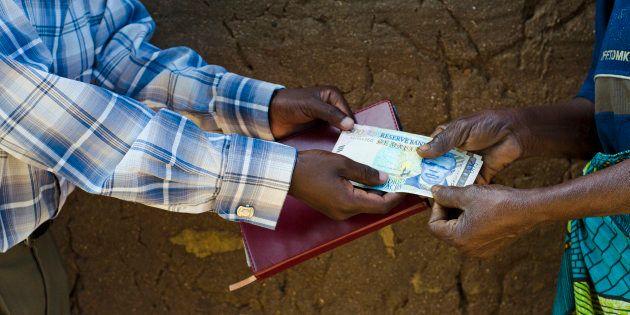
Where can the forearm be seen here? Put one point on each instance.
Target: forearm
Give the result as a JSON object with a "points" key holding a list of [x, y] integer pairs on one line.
{"points": [[563, 130], [605, 192], [177, 78], [112, 145]]}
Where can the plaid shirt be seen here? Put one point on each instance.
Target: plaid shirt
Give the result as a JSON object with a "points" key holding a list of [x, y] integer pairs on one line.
{"points": [[86, 100]]}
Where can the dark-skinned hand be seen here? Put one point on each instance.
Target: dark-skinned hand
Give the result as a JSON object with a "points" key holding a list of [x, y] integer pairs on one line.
{"points": [[322, 180], [495, 135], [479, 220], [292, 110]]}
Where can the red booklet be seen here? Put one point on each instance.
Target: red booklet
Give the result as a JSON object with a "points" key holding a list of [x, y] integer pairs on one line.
{"points": [[302, 232]]}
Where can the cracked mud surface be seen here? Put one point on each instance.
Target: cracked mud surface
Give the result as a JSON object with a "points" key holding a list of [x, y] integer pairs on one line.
{"points": [[436, 60]]}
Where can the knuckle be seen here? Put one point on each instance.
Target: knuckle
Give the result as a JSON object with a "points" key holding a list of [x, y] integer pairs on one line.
{"points": [[441, 127], [326, 91], [439, 140], [439, 194], [456, 130], [456, 124], [333, 89]]}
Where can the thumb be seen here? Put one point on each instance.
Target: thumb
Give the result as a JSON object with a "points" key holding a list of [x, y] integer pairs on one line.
{"points": [[439, 224], [362, 173], [450, 196], [330, 114], [444, 141]]}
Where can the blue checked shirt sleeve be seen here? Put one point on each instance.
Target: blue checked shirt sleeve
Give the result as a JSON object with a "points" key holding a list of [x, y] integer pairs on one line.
{"points": [[113, 145], [176, 78]]}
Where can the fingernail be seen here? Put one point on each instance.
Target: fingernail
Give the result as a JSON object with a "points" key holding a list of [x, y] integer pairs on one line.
{"points": [[382, 177], [347, 123], [424, 147]]}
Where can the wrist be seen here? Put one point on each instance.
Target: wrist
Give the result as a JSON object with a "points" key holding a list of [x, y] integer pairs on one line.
{"points": [[260, 181], [543, 204], [242, 106], [293, 187], [521, 208], [562, 130]]}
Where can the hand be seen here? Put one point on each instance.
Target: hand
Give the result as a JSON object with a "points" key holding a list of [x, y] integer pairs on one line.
{"points": [[292, 110], [322, 180], [496, 135], [480, 220]]}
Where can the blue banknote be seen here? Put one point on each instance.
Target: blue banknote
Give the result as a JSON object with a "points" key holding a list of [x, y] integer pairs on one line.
{"points": [[394, 152]]}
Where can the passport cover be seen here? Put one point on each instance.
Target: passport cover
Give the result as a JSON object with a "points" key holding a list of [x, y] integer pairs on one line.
{"points": [[302, 232]]}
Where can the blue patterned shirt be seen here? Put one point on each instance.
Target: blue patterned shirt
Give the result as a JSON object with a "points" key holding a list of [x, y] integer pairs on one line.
{"points": [[86, 100]]}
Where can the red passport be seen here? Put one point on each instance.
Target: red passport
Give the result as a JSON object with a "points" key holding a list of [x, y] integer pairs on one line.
{"points": [[302, 232]]}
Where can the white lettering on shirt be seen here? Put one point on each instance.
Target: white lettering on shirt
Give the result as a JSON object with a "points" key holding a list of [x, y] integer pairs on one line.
{"points": [[616, 55]]}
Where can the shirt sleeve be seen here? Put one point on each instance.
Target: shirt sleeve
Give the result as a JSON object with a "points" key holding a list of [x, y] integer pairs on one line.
{"points": [[587, 90], [110, 144], [176, 78], [603, 10]]}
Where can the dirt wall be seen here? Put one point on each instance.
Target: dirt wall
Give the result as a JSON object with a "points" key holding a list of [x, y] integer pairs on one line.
{"points": [[437, 60]]}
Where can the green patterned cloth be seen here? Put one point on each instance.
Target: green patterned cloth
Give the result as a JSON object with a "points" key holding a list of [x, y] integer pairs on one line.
{"points": [[594, 275]]}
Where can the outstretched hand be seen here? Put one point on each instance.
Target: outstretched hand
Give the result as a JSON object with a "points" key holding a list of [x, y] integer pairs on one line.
{"points": [[495, 135], [480, 220], [322, 180]]}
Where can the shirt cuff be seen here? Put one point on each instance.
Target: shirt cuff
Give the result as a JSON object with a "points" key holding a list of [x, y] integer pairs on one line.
{"points": [[255, 181], [242, 105]]}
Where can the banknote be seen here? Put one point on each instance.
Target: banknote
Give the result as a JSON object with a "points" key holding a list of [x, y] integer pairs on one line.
{"points": [[394, 152]]}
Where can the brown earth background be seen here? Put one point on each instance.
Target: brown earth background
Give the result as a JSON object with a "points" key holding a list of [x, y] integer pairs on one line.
{"points": [[437, 60]]}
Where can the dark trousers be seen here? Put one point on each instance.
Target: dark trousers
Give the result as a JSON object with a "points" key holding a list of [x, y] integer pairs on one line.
{"points": [[33, 280]]}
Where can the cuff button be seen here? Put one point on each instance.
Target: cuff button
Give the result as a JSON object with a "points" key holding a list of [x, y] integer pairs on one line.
{"points": [[245, 211]]}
